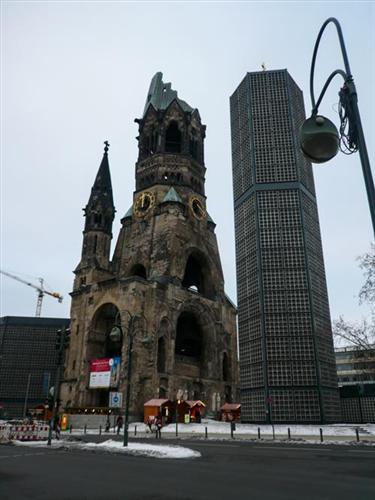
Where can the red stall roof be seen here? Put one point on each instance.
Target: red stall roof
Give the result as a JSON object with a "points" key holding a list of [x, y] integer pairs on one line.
{"points": [[196, 402], [157, 402], [231, 406]]}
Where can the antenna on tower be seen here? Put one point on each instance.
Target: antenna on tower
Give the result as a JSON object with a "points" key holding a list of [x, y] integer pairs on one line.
{"points": [[264, 66]]}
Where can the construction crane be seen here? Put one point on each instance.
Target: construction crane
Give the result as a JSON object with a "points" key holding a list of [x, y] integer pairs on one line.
{"points": [[40, 289]]}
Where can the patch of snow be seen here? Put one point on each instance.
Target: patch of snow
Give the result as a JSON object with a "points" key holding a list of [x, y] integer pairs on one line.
{"points": [[244, 431], [159, 451], [215, 427], [148, 450]]}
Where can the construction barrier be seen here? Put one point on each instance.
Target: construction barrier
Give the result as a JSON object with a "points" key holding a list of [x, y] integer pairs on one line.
{"points": [[23, 432]]}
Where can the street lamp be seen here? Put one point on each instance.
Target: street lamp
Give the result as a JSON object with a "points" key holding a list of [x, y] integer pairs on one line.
{"points": [[62, 343], [116, 335], [319, 138]]}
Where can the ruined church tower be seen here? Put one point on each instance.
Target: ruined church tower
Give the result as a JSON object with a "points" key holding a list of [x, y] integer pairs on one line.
{"points": [[164, 284]]}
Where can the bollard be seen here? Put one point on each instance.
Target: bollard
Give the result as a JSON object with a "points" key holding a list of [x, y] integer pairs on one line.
{"points": [[85, 429], [357, 433], [205, 433], [232, 429], [135, 430], [321, 435], [100, 430], [70, 428], [258, 432], [288, 433], [273, 432]]}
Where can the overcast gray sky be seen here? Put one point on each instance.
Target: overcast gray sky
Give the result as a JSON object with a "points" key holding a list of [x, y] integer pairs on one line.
{"points": [[77, 73]]}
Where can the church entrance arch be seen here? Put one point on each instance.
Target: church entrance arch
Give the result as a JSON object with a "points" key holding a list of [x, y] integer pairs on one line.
{"points": [[188, 345], [195, 341], [100, 345], [188, 337]]}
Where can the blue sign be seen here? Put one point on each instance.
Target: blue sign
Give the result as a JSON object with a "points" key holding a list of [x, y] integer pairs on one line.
{"points": [[115, 399]]}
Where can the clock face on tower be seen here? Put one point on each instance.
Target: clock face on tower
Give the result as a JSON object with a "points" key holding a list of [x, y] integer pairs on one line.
{"points": [[144, 203], [197, 208]]}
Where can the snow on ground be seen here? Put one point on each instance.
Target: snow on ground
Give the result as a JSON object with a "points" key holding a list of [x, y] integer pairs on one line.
{"points": [[215, 427], [148, 450]]}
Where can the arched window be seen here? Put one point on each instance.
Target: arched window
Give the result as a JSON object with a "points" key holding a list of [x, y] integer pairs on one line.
{"points": [[162, 393], [95, 246], [188, 336], [173, 139], [97, 219], [194, 277], [228, 394], [138, 270], [153, 141], [193, 144], [161, 355], [226, 370]]}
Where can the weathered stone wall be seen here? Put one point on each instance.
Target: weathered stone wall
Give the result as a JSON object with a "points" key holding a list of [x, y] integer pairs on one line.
{"points": [[163, 248]]}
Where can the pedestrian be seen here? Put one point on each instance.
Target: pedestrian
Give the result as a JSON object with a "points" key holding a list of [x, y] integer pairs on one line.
{"points": [[107, 425], [150, 422], [57, 427], [159, 425], [119, 422]]}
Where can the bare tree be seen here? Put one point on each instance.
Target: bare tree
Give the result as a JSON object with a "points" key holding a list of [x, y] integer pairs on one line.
{"points": [[361, 334], [367, 292]]}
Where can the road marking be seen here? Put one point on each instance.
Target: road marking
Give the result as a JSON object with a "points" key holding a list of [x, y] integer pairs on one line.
{"points": [[17, 455], [194, 443], [361, 451], [291, 448]]}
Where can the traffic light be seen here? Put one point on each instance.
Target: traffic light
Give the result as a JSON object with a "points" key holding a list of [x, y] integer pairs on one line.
{"points": [[59, 339], [49, 402], [67, 338]]}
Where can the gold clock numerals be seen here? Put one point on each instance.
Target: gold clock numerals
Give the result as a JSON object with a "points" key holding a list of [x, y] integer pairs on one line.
{"points": [[144, 203], [197, 208]]}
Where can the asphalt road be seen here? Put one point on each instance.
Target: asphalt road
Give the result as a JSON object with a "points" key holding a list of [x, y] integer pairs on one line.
{"points": [[227, 470]]}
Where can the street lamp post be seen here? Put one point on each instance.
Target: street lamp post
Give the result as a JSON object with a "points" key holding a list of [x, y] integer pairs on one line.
{"points": [[128, 383], [116, 334], [319, 137], [62, 343], [176, 416]]}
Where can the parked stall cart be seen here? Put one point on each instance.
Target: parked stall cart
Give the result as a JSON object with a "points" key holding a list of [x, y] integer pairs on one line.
{"points": [[231, 412], [197, 410], [161, 408]]}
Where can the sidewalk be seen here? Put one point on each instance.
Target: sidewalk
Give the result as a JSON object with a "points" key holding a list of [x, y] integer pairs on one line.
{"points": [[210, 429]]}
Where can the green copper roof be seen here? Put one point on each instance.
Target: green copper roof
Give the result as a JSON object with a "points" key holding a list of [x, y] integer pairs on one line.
{"points": [[172, 195], [129, 213], [161, 95]]}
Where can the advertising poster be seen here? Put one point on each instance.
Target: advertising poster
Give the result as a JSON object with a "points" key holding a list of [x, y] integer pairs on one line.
{"points": [[104, 373]]}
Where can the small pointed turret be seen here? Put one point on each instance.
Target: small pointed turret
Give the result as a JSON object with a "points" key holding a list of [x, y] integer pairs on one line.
{"points": [[99, 214], [100, 210]]}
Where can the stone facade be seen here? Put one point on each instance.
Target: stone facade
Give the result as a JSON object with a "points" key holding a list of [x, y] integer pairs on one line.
{"points": [[164, 285]]}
